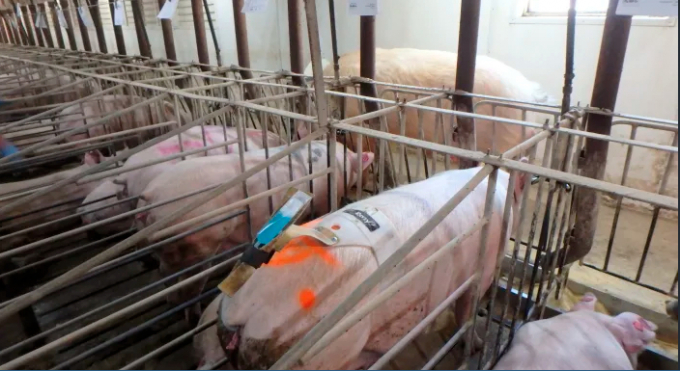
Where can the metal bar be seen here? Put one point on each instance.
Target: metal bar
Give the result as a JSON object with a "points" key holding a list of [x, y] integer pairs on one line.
{"points": [[295, 41], [31, 21], [57, 25], [326, 323], [607, 81], [569, 68], [140, 28], [70, 33], [465, 74], [97, 21], [168, 37], [46, 30], [334, 40], [117, 30], [199, 29], [216, 44], [113, 251], [83, 30], [112, 318]]}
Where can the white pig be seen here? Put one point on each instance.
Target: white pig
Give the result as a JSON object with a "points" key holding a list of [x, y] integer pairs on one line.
{"points": [[305, 281], [60, 195], [132, 183], [194, 174], [580, 340], [437, 69], [72, 116]]}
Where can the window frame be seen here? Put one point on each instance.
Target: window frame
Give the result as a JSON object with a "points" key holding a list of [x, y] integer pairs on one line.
{"points": [[521, 15]]}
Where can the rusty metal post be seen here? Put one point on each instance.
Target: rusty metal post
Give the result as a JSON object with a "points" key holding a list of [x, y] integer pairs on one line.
{"points": [[199, 29], [22, 29], [8, 28], [57, 26], [334, 40], [47, 33], [15, 33], [241, 39], [465, 75], [117, 30], [168, 36], [593, 160], [4, 35], [140, 28], [31, 21], [70, 33], [97, 21], [295, 40], [83, 31], [367, 63], [28, 23]]}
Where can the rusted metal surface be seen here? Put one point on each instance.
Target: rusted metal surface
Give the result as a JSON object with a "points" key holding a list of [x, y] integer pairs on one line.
{"points": [[70, 33], [117, 30], [47, 34], [199, 29], [334, 40], [4, 36], [168, 36], [57, 26], [295, 40], [97, 21], [36, 30], [140, 28], [242, 50], [87, 45], [30, 29], [465, 75], [594, 158], [216, 44]]}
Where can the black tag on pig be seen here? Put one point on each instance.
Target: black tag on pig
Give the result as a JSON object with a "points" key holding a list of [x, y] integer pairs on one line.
{"points": [[369, 222]]}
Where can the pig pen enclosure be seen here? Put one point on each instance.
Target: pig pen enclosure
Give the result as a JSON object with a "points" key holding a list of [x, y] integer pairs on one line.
{"points": [[82, 285]]}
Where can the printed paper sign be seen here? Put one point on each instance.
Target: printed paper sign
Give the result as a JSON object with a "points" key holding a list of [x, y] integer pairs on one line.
{"points": [[255, 6], [85, 16], [119, 13], [363, 7], [61, 18], [43, 20], [18, 11], [168, 10], [654, 8], [38, 20]]}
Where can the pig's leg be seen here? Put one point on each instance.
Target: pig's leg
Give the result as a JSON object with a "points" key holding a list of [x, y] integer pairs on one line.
{"points": [[462, 309]]}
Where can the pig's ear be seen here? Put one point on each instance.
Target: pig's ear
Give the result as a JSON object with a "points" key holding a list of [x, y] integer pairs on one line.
{"points": [[634, 332], [93, 158], [122, 192], [365, 161], [520, 180], [587, 302]]}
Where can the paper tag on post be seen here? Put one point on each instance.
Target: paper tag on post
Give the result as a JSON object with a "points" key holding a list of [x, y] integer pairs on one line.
{"points": [[43, 21], [255, 6], [168, 9], [18, 11], [653, 8], [38, 20], [363, 7], [61, 18], [118, 13], [85, 16]]}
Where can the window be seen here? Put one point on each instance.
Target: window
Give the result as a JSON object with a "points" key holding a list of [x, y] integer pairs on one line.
{"points": [[560, 7]]}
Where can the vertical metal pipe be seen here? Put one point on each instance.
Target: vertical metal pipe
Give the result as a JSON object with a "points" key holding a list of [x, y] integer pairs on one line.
{"points": [[569, 68], [465, 75], [199, 29], [31, 21], [8, 28], [83, 30], [97, 21], [242, 39], [140, 28], [593, 162], [4, 36], [70, 33], [46, 31], [216, 45], [168, 36], [334, 40], [117, 30], [57, 26], [28, 23], [295, 40]]}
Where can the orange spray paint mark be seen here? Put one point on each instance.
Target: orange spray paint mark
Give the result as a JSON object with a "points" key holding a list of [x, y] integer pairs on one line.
{"points": [[302, 248], [306, 298]]}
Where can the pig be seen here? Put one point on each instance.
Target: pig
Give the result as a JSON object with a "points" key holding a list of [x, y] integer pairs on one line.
{"points": [[305, 281], [206, 345], [11, 220], [19, 86], [581, 339], [434, 69], [198, 173], [72, 117], [132, 183]]}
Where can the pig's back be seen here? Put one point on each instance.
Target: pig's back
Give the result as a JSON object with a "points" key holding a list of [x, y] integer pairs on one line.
{"points": [[571, 341]]}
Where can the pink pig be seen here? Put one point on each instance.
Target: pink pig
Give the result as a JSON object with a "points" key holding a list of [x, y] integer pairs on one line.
{"points": [[198, 173], [284, 299], [580, 340], [132, 183]]}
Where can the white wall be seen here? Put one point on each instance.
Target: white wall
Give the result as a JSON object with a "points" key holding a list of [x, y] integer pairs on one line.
{"points": [[649, 85]]}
